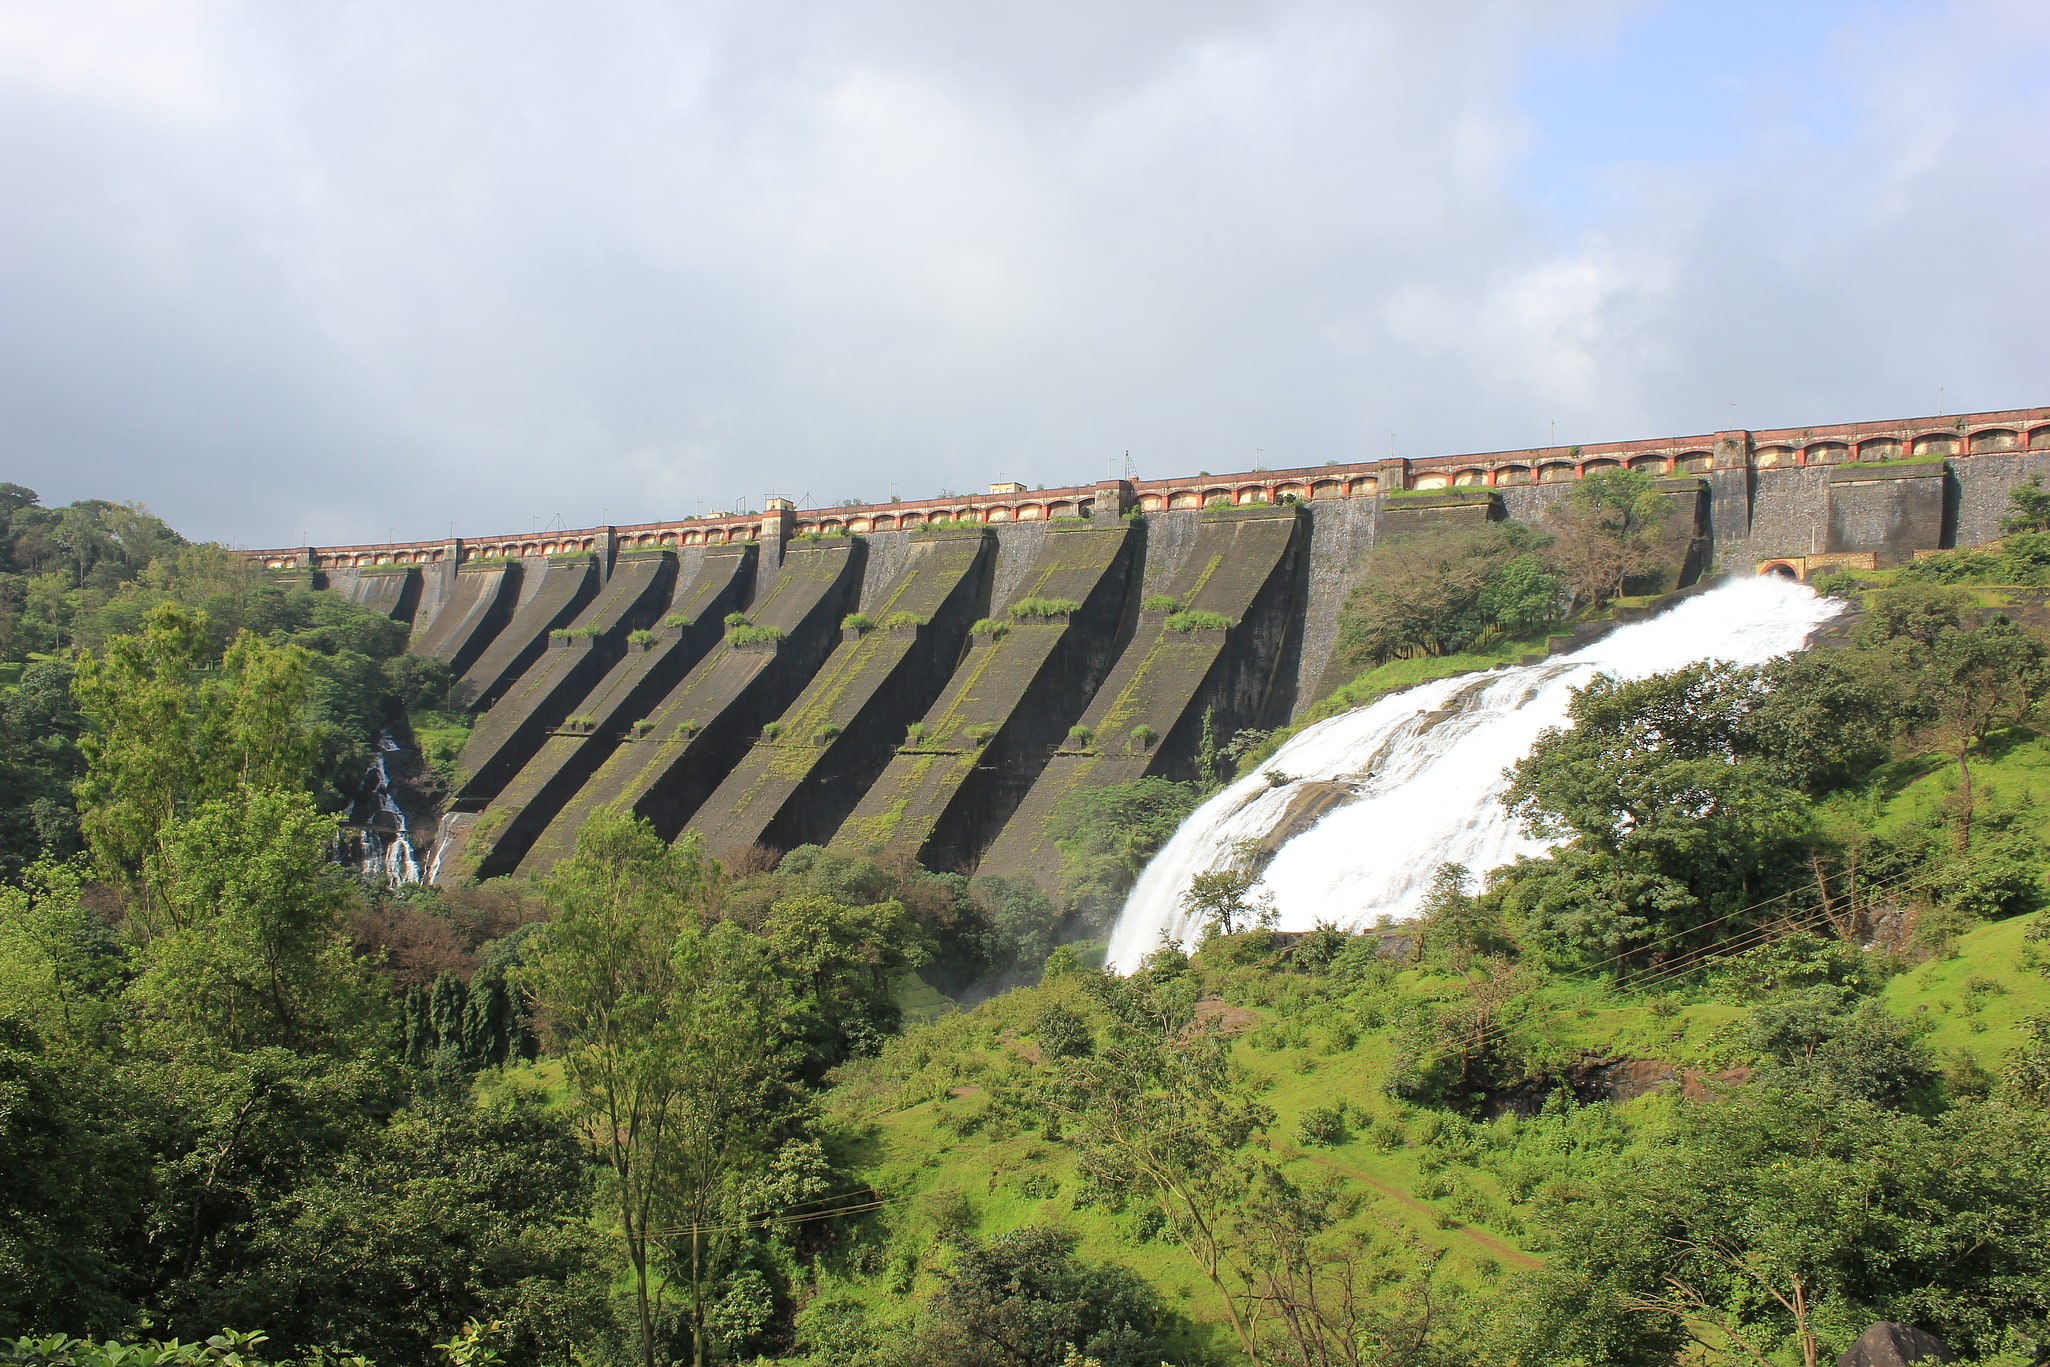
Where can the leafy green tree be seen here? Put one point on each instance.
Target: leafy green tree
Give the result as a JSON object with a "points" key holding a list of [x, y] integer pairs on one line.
{"points": [[1453, 926], [251, 951], [1673, 820], [1825, 720], [1160, 1112], [74, 1180], [1613, 527], [1982, 681], [1024, 1299], [2027, 1069], [1446, 590], [607, 988], [61, 966], [1783, 1220], [731, 1066], [842, 963], [1321, 1298], [1816, 1040], [2028, 507], [39, 763], [1107, 834], [454, 1210], [165, 730], [1222, 900]]}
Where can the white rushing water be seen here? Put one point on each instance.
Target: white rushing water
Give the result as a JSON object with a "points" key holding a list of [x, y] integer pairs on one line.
{"points": [[1413, 781], [378, 855]]}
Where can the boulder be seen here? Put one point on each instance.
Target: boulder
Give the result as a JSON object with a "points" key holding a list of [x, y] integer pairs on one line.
{"points": [[1894, 1345]]}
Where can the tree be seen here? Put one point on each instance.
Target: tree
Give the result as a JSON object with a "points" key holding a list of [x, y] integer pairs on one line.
{"points": [[250, 953], [39, 763], [1160, 1112], [1612, 528], [1221, 899], [75, 1176], [1453, 925], [458, 1209], [165, 730], [1982, 681], [1024, 1299], [1782, 1220], [842, 963], [1445, 590], [1319, 1299], [730, 1063], [2028, 507], [1107, 834], [1670, 812], [606, 987]]}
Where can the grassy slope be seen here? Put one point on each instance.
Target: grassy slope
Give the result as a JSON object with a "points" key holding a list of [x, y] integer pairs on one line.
{"points": [[929, 1131], [931, 1135], [1975, 1000]]}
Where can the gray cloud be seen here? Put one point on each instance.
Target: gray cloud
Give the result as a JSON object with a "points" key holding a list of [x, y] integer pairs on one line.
{"points": [[346, 272]]}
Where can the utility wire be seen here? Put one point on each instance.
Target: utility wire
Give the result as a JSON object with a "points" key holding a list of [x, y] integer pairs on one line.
{"points": [[1753, 938], [1808, 917]]}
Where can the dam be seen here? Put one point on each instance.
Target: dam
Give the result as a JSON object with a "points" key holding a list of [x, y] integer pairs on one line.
{"points": [[930, 678]]}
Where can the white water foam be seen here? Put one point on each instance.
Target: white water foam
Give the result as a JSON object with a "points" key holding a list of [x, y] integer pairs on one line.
{"points": [[1416, 778], [394, 862]]}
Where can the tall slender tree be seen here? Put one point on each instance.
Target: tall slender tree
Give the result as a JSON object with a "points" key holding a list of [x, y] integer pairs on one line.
{"points": [[607, 989]]}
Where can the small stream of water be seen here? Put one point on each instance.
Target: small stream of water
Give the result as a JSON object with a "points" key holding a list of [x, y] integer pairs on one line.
{"points": [[383, 844]]}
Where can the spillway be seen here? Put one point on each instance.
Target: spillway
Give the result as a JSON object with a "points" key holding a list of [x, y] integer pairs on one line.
{"points": [[1365, 806]]}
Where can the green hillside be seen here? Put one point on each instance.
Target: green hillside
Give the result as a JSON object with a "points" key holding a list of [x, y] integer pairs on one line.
{"points": [[1756, 1055]]}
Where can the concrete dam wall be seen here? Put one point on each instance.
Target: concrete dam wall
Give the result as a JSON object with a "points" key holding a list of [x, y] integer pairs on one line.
{"points": [[932, 679]]}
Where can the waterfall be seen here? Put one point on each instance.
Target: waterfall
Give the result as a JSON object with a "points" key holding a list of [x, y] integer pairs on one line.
{"points": [[1361, 809], [391, 859]]}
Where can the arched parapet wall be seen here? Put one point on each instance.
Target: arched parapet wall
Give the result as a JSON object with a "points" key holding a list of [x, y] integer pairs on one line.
{"points": [[2003, 434]]}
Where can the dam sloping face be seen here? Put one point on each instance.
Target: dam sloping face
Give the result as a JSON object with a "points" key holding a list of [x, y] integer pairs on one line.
{"points": [[1028, 670], [665, 768], [710, 585], [935, 678]]}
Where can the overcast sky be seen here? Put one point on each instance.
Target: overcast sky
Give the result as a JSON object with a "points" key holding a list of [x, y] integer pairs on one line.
{"points": [[348, 271]]}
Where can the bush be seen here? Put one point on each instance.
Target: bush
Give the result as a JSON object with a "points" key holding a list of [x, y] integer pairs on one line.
{"points": [[1024, 1297], [990, 627], [1161, 602], [859, 622], [1039, 609], [898, 620], [1062, 1033], [741, 632], [772, 730], [1199, 619], [1080, 737], [1106, 835], [1323, 1126], [1144, 736], [642, 637]]}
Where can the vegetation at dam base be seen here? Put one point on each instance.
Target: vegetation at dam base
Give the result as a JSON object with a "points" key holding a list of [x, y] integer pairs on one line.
{"points": [[1759, 1054]]}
